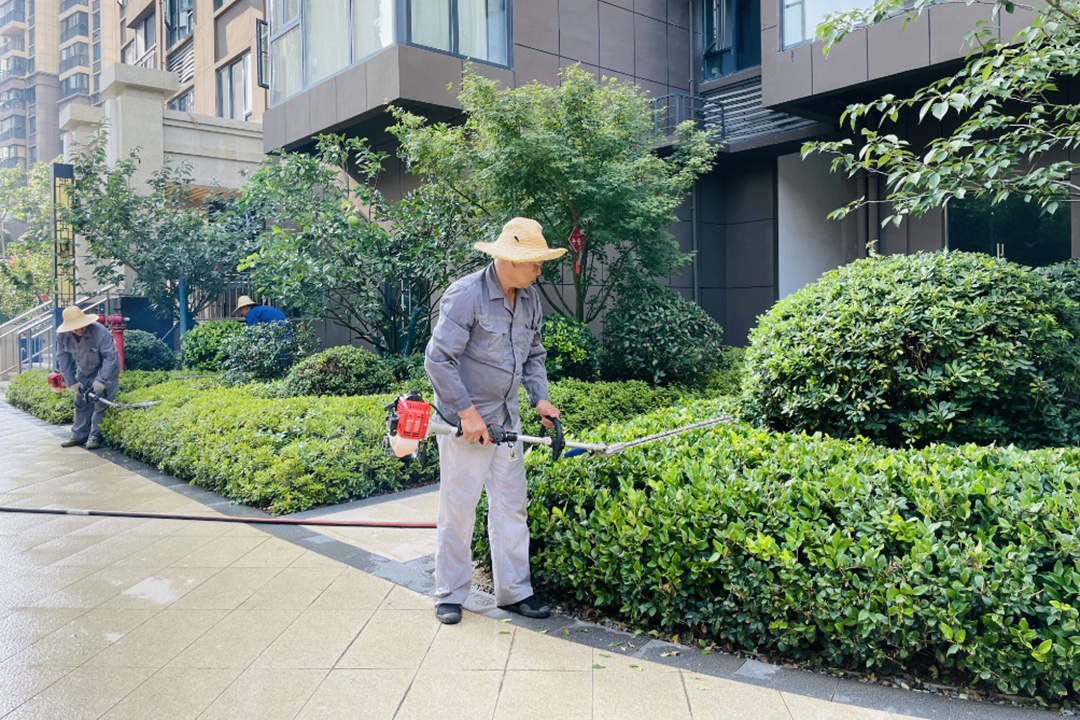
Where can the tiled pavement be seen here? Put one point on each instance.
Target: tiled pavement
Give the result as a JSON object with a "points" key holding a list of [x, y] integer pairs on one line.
{"points": [[128, 618]]}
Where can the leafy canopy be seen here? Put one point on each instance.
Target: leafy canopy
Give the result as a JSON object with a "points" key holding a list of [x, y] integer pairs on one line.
{"points": [[1013, 122], [583, 155], [341, 250]]}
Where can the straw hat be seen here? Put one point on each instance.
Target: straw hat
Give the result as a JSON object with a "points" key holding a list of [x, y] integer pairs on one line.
{"points": [[520, 241], [242, 303], [75, 318]]}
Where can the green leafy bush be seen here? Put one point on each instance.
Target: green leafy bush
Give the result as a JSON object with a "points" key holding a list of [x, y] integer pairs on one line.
{"points": [[409, 374], [914, 349], [202, 347], [957, 564], [342, 370], [265, 351], [144, 351], [1066, 274], [656, 335], [284, 455], [587, 406], [572, 351]]}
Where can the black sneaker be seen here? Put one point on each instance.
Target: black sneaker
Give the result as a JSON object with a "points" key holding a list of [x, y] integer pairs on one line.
{"points": [[72, 442], [93, 443], [531, 606], [448, 613]]}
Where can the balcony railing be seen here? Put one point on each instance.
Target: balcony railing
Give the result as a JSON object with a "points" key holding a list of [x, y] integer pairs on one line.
{"points": [[14, 44], [68, 4], [15, 15], [82, 29], [13, 104], [74, 61], [148, 58], [11, 162], [15, 133]]}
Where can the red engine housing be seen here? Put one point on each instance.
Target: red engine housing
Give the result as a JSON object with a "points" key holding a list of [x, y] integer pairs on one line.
{"points": [[412, 418]]}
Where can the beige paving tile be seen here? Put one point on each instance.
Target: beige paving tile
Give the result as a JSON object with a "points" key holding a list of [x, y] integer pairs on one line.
{"points": [[397, 544], [291, 588], [622, 695], [714, 698], [275, 552], [227, 589], [108, 552], [384, 643], [353, 590], [165, 551], [84, 694], [173, 694], [223, 551], [22, 627], [476, 644], [96, 588], [550, 695], [808, 708], [18, 683], [158, 640], [51, 551], [310, 558], [533, 651], [370, 694], [451, 695], [614, 661], [82, 638], [161, 589], [268, 695], [402, 598], [316, 639], [236, 640]]}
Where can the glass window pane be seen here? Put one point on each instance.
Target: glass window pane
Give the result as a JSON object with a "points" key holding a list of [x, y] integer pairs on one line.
{"points": [[326, 38], [801, 17], [482, 29], [373, 26], [429, 23], [285, 65]]}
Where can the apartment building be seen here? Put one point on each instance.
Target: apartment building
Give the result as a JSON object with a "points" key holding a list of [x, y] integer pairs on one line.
{"points": [[749, 70]]}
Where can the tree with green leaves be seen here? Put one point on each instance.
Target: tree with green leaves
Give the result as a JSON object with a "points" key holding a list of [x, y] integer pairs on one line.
{"points": [[167, 236], [26, 273], [582, 155], [340, 250], [1014, 120]]}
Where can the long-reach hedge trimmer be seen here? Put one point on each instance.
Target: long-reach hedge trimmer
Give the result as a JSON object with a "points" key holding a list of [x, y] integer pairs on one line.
{"points": [[409, 420], [56, 382]]}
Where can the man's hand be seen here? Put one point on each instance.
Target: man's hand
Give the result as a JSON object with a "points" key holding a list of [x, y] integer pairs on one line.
{"points": [[546, 410], [473, 427], [76, 388], [98, 387]]}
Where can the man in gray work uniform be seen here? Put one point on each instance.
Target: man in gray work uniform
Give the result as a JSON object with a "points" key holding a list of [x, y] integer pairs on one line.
{"points": [[88, 361], [486, 343]]}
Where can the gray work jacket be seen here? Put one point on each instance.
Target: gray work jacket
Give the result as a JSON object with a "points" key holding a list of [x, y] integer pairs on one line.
{"points": [[481, 350], [88, 359]]}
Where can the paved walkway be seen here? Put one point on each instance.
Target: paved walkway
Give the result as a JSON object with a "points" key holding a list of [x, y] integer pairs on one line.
{"points": [[127, 618]]}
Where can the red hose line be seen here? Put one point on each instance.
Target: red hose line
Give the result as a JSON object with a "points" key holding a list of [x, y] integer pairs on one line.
{"points": [[220, 518]]}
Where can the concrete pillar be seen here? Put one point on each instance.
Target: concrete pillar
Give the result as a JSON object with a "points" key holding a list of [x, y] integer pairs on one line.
{"points": [[134, 107], [79, 124]]}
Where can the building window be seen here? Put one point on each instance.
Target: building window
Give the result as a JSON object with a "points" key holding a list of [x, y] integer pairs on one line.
{"points": [[74, 25], [326, 38], [72, 84], [32, 122], [13, 128], [800, 18], [262, 54], [284, 12], [12, 11], [179, 17], [234, 89], [184, 102], [731, 37], [373, 27], [33, 155], [1013, 229], [145, 35], [472, 28], [74, 55]]}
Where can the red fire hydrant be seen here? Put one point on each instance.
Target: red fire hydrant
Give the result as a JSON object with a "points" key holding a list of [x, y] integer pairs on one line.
{"points": [[115, 325]]}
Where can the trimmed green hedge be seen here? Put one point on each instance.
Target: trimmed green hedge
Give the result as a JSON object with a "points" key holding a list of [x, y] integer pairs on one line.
{"points": [[30, 391], [284, 455], [958, 564], [588, 405]]}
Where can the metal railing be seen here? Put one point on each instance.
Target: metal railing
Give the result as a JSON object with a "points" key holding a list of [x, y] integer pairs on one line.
{"points": [[672, 110], [68, 4], [16, 15], [74, 61], [75, 31]]}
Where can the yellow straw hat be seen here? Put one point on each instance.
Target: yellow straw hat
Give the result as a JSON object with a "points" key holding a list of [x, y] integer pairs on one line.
{"points": [[75, 318], [242, 303], [521, 240]]}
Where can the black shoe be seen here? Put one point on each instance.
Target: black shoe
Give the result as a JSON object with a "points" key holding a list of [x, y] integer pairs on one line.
{"points": [[93, 443], [531, 606], [448, 613], [72, 442]]}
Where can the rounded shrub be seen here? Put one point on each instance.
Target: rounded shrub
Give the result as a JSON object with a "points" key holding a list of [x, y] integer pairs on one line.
{"points": [[203, 346], [265, 351], [572, 349], [914, 349], [1066, 275], [342, 370], [656, 335], [143, 351]]}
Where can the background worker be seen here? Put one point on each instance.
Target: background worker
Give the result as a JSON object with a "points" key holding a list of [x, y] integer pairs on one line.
{"points": [[253, 313], [486, 343], [88, 361]]}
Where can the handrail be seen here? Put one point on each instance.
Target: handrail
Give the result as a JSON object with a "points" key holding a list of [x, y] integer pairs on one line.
{"points": [[36, 309]]}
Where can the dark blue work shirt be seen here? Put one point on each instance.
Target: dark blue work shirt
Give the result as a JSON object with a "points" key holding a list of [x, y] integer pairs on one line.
{"points": [[263, 314]]}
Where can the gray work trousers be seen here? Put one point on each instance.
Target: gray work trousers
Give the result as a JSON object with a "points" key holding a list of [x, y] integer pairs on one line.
{"points": [[88, 414], [465, 469]]}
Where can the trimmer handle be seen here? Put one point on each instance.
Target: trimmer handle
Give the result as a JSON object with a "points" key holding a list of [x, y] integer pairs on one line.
{"points": [[558, 440]]}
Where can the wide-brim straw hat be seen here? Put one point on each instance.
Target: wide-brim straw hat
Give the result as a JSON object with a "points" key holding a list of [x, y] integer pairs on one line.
{"points": [[75, 318], [521, 240], [242, 303]]}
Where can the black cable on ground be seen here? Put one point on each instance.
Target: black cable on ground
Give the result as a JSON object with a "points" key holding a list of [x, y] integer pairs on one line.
{"points": [[219, 518]]}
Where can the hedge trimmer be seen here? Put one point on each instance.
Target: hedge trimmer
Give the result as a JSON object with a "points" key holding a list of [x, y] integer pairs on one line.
{"points": [[56, 382], [409, 420]]}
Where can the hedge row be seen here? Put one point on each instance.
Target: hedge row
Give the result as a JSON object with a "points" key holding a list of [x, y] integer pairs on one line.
{"points": [[955, 563], [30, 391]]}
